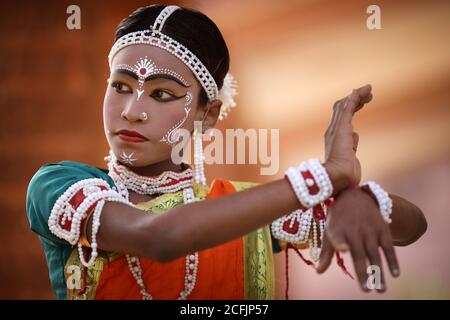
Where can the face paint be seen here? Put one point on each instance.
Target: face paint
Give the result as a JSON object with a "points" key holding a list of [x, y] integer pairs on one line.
{"points": [[127, 158], [145, 68], [172, 136]]}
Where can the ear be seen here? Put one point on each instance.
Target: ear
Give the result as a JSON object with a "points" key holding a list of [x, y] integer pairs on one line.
{"points": [[211, 114]]}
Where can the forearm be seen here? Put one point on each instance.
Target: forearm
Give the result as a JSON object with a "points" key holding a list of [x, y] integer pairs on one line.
{"points": [[192, 227], [223, 219], [199, 225], [408, 222], [209, 223]]}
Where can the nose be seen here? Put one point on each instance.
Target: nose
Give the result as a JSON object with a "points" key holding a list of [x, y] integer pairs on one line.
{"points": [[133, 112]]}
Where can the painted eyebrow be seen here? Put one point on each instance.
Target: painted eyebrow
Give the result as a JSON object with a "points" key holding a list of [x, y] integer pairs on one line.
{"points": [[152, 76]]}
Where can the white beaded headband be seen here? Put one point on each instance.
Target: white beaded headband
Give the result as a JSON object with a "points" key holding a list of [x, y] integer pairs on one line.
{"points": [[155, 37]]}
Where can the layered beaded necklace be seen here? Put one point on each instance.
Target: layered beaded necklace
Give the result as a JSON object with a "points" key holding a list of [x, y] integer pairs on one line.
{"points": [[166, 182]]}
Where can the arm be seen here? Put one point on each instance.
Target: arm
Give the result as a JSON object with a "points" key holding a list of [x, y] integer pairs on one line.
{"points": [[195, 226], [192, 227], [408, 222], [205, 224], [356, 225]]}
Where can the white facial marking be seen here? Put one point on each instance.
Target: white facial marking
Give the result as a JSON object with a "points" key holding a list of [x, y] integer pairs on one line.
{"points": [[172, 136], [144, 68], [127, 158]]}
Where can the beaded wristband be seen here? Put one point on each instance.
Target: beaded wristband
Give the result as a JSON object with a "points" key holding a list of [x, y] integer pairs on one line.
{"points": [[310, 182], [293, 227], [302, 229], [381, 197], [70, 209]]}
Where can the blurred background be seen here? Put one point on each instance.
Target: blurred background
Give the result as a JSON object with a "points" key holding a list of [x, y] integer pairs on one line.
{"points": [[292, 60]]}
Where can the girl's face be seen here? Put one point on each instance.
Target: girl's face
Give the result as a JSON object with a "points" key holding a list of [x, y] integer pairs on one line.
{"points": [[152, 93]]}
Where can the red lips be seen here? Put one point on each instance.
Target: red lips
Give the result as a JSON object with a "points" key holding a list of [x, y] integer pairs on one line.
{"points": [[131, 136]]}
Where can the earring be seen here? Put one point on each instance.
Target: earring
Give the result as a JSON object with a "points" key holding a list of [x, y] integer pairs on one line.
{"points": [[199, 158], [143, 116]]}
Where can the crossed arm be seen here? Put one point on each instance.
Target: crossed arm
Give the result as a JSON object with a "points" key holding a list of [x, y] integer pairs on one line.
{"points": [[354, 224]]}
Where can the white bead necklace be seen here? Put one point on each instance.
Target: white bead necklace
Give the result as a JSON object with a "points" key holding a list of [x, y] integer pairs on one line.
{"points": [[168, 181]]}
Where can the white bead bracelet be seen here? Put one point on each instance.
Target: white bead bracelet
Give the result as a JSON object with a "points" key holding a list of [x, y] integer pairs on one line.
{"points": [[319, 179], [383, 200]]}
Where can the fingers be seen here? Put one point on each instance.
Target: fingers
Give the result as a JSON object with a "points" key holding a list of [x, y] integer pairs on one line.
{"points": [[346, 111], [356, 100], [365, 92], [371, 247], [338, 241], [389, 252], [337, 108], [358, 253], [363, 101], [352, 101], [326, 255], [363, 95], [355, 141]]}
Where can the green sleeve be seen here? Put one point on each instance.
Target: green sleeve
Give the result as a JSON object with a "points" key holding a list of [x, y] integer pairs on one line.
{"points": [[47, 185]]}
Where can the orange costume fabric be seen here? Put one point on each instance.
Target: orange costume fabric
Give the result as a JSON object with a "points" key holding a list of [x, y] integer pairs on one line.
{"points": [[229, 271]]}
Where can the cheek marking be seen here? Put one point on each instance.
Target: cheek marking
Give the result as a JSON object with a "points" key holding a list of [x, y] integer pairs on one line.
{"points": [[172, 136]]}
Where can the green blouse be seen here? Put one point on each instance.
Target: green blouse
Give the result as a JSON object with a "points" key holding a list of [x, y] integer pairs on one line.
{"points": [[45, 187]]}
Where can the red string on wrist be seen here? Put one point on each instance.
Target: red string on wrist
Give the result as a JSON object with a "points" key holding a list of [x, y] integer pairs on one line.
{"points": [[308, 262], [286, 252], [340, 263]]}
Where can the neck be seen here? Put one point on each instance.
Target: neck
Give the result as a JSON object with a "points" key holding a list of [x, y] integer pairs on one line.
{"points": [[156, 169]]}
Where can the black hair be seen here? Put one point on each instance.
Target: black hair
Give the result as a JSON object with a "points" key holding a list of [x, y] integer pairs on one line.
{"points": [[192, 29]]}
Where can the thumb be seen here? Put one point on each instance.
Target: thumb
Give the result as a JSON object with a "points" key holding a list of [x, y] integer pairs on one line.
{"points": [[326, 255]]}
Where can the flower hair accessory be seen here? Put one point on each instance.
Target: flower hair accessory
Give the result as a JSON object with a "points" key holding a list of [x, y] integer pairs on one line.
{"points": [[226, 95]]}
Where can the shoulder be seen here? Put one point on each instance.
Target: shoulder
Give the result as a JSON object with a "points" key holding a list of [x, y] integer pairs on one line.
{"points": [[54, 181], [72, 167], [67, 172]]}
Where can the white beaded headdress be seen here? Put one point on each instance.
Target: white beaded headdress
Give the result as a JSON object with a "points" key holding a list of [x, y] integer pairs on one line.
{"points": [[155, 37]]}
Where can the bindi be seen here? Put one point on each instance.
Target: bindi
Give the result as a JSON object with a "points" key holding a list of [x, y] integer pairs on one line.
{"points": [[144, 69]]}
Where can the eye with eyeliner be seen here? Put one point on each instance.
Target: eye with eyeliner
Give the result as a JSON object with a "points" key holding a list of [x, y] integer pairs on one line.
{"points": [[118, 87], [157, 94], [157, 97]]}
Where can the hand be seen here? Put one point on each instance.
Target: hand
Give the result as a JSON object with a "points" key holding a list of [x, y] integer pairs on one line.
{"points": [[354, 223], [341, 141]]}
